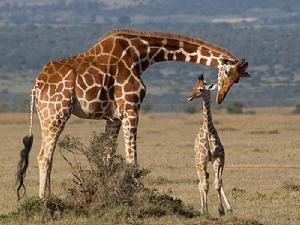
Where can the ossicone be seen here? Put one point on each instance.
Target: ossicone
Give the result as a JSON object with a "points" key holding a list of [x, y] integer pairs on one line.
{"points": [[201, 77]]}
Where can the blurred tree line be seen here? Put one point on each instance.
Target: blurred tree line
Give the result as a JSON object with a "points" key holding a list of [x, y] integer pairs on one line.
{"points": [[272, 53], [32, 46]]}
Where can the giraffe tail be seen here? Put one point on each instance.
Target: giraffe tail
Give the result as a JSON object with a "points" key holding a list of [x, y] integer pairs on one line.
{"points": [[24, 154]]}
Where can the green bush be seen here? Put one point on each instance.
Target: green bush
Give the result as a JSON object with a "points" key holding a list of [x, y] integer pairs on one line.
{"points": [[235, 108], [146, 107], [190, 108], [5, 107], [48, 207]]}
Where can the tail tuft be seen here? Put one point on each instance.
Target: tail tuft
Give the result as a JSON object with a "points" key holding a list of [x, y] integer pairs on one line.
{"points": [[27, 141], [23, 164]]}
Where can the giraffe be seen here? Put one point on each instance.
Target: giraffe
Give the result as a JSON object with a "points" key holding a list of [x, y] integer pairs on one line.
{"points": [[104, 82], [208, 147]]}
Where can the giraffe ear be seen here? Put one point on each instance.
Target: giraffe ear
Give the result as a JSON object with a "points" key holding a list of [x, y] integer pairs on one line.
{"points": [[211, 87], [245, 74]]}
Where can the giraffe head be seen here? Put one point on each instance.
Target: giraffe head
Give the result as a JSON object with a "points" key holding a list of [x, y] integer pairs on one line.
{"points": [[201, 89], [229, 73]]}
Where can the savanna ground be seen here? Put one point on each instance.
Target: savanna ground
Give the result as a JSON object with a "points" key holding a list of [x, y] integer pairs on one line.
{"points": [[261, 176]]}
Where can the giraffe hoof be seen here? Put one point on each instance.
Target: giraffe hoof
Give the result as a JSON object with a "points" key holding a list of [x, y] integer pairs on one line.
{"points": [[221, 210]]}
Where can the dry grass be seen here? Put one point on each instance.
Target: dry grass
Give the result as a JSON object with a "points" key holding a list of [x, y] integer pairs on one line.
{"points": [[258, 162]]}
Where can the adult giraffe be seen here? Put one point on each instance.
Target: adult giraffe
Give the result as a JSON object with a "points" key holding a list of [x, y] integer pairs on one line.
{"points": [[105, 82]]}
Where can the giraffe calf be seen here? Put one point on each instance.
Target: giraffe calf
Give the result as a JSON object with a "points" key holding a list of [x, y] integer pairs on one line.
{"points": [[208, 147]]}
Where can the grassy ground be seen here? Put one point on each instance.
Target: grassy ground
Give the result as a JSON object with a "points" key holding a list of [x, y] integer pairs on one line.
{"points": [[261, 176]]}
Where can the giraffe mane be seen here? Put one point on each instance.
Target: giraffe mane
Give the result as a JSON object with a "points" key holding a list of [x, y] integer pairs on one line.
{"points": [[170, 35]]}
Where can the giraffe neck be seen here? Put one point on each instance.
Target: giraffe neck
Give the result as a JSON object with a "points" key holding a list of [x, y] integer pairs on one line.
{"points": [[147, 48], [207, 117]]}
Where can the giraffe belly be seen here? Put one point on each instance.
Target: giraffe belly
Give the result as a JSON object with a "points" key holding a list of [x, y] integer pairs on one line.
{"points": [[95, 110]]}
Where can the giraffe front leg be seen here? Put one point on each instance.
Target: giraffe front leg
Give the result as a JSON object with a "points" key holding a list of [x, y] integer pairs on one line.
{"points": [[203, 187], [201, 167], [130, 123], [112, 129]]}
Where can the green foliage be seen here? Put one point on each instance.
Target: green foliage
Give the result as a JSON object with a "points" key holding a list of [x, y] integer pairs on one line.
{"points": [[146, 107], [190, 108], [153, 204], [297, 109], [48, 207], [30, 207], [235, 108], [4, 107]]}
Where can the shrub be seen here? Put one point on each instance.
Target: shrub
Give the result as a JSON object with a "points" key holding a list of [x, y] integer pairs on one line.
{"points": [[235, 108], [30, 207], [50, 206], [297, 109], [189, 108], [105, 179], [146, 107], [5, 107], [107, 182]]}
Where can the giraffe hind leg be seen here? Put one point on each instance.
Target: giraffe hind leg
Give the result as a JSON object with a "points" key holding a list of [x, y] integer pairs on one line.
{"points": [[201, 159], [51, 129], [54, 98], [218, 183]]}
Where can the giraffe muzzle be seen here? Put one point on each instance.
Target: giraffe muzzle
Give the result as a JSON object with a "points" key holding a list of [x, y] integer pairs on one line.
{"points": [[190, 98]]}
